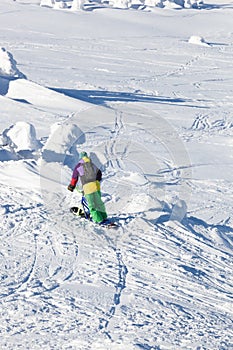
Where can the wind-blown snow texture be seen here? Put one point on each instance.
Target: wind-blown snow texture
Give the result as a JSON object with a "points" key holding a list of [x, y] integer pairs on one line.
{"points": [[148, 93]]}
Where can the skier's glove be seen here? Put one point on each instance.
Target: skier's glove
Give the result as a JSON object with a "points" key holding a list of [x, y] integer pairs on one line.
{"points": [[71, 188]]}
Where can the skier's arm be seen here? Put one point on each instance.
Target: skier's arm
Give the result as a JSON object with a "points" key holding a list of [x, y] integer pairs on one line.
{"points": [[72, 184], [74, 179]]}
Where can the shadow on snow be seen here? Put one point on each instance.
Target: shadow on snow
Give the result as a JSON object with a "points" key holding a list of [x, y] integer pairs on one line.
{"points": [[100, 97]]}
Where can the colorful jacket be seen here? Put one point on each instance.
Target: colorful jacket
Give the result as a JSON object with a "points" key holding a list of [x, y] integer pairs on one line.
{"points": [[89, 175]]}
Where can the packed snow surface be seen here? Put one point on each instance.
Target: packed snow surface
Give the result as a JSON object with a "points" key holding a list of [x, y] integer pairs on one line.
{"points": [[146, 88]]}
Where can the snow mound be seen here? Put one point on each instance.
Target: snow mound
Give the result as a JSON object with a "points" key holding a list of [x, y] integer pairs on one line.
{"points": [[62, 143], [197, 40], [8, 65], [19, 142], [179, 210], [47, 3], [171, 5], [54, 4], [193, 4], [22, 136], [60, 5], [121, 4], [154, 3], [77, 5]]}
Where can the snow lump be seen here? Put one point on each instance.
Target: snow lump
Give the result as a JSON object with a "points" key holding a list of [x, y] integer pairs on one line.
{"points": [[8, 66]]}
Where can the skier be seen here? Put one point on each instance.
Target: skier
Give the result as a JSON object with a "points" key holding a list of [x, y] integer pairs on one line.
{"points": [[90, 177]]}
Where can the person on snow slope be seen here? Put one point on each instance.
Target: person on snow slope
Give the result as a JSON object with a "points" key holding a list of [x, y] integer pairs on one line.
{"points": [[90, 177]]}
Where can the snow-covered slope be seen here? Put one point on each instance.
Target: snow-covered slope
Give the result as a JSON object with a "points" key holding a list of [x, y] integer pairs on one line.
{"points": [[148, 93]]}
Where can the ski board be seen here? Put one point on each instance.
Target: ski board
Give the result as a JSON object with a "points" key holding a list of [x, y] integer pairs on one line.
{"points": [[81, 214]]}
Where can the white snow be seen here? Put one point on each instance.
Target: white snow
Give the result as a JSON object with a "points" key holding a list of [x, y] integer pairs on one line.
{"points": [[63, 142], [49, 3], [8, 66], [22, 136], [195, 39], [146, 88]]}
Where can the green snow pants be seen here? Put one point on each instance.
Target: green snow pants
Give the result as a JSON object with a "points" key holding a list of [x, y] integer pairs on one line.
{"points": [[96, 206]]}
